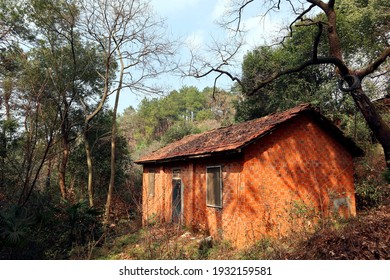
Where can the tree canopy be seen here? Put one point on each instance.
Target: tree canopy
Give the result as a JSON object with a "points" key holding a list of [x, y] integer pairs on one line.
{"points": [[334, 34], [60, 151], [180, 113]]}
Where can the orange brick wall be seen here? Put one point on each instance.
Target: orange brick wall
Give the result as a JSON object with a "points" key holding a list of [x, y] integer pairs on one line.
{"points": [[277, 186], [154, 207], [296, 166]]}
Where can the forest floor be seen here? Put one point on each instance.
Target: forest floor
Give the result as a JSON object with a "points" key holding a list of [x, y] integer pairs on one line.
{"points": [[364, 237]]}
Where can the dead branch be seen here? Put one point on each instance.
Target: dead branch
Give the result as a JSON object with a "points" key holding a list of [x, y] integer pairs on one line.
{"points": [[387, 72], [299, 17], [239, 15]]}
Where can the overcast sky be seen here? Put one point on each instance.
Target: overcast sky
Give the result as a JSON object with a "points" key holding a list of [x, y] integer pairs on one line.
{"points": [[194, 22]]}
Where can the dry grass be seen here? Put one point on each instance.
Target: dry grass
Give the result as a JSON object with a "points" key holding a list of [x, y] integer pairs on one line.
{"points": [[363, 238]]}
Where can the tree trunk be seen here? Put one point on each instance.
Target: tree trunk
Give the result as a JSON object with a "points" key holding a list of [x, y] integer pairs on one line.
{"points": [[48, 175], [62, 172], [90, 168], [112, 163], [113, 140], [63, 164], [65, 149], [378, 126]]}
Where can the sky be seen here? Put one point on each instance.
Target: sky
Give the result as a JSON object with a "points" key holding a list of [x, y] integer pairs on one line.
{"points": [[194, 23]]}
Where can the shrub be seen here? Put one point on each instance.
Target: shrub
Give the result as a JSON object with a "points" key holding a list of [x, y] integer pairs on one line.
{"points": [[368, 194], [386, 176], [15, 224]]}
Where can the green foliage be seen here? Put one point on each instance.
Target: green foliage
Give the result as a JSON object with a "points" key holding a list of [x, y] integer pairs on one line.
{"points": [[363, 30], [64, 227], [178, 131], [386, 176], [371, 187], [47, 232], [368, 194], [307, 86], [99, 138], [261, 250], [83, 222], [354, 126], [8, 129], [15, 226], [178, 114], [13, 20], [204, 114]]}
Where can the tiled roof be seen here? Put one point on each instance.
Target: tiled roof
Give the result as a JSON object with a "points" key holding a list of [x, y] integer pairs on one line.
{"points": [[230, 138]]}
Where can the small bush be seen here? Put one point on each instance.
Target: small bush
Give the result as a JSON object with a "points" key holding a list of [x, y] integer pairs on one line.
{"points": [[372, 178], [15, 227], [368, 195], [386, 176]]}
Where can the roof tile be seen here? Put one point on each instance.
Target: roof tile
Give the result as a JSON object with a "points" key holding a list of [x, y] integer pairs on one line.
{"points": [[223, 139]]}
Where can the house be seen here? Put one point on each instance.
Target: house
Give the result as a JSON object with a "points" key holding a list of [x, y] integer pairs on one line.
{"points": [[266, 176]]}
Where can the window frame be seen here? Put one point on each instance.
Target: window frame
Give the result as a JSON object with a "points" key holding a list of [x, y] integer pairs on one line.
{"points": [[208, 204], [176, 171]]}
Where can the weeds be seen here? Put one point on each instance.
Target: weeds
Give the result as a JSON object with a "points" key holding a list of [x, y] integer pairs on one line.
{"points": [[48, 233], [15, 227], [369, 194], [372, 180]]}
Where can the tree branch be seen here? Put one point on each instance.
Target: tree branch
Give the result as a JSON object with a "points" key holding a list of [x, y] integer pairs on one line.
{"points": [[314, 61], [300, 17], [374, 65], [239, 17], [323, 6], [331, 4], [317, 41]]}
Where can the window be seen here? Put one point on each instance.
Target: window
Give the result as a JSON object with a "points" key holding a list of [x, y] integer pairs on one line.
{"points": [[151, 181], [176, 174], [214, 187]]}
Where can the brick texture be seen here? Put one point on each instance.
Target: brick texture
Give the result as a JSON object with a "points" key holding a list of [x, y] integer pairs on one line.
{"points": [[285, 181]]}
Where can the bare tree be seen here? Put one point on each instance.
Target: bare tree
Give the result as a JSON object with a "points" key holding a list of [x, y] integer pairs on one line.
{"points": [[351, 74], [130, 36]]}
